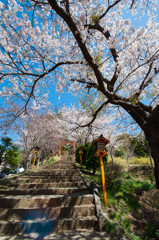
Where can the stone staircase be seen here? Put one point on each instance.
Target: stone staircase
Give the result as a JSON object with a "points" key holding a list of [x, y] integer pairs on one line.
{"points": [[52, 199]]}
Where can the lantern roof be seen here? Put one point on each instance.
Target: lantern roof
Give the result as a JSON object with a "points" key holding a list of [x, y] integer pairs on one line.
{"points": [[81, 148], [37, 148], [106, 141]]}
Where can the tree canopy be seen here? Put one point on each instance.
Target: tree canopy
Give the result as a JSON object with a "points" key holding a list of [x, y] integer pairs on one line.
{"points": [[84, 46]]}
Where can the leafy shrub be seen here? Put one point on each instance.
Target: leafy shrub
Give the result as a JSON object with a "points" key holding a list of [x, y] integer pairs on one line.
{"points": [[141, 149], [67, 148], [110, 226], [151, 231], [120, 152], [112, 172]]}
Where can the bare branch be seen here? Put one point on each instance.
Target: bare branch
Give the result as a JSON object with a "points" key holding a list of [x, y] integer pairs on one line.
{"points": [[89, 84], [108, 9], [67, 6], [132, 4]]}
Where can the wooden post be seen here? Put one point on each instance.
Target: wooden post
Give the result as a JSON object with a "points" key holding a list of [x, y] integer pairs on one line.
{"points": [[34, 158], [103, 181]]}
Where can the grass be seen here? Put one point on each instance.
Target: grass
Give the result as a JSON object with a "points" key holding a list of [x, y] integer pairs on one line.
{"points": [[46, 162], [144, 161], [124, 188]]}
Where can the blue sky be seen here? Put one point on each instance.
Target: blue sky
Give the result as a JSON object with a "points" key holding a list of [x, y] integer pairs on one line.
{"points": [[66, 99]]}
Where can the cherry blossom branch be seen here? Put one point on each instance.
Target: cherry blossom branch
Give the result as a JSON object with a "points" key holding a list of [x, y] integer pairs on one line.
{"points": [[143, 84], [107, 36], [44, 74], [153, 58], [89, 124], [77, 35], [95, 114], [135, 110], [113, 51], [27, 43]]}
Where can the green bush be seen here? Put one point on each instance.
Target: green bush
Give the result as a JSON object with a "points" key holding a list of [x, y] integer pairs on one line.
{"points": [[141, 149], [89, 160], [151, 231], [110, 226], [9, 152], [66, 148], [120, 152]]}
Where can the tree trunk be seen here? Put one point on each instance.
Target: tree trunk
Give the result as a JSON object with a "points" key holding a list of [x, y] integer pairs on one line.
{"points": [[155, 155], [150, 157], [127, 159], [29, 159], [152, 136], [111, 155]]}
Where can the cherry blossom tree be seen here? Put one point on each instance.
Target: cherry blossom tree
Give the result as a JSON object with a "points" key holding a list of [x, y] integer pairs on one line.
{"points": [[73, 118], [84, 46], [42, 130]]}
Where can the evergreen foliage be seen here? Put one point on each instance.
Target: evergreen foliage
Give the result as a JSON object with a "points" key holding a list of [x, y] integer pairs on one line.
{"points": [[66, 148], [89, 160], [141, 149], [120, 152], [9, 152]]}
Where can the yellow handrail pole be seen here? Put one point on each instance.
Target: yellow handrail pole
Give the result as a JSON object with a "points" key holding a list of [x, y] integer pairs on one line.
{"points": [[49, 157], [103, 181], [34, 159], [81, 160]]}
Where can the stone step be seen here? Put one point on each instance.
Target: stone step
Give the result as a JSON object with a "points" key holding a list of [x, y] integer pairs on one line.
{"points": [[49, 175], [46, 179], [45, 201], [46, 191], [43, 181], [44, 213], [47, 226], [44, 185], [67, 235], [75, 174], [61, 169]]}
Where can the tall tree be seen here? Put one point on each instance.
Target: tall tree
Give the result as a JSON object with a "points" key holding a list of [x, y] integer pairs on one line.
{"points": [[91, 44], [9, 153]]}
